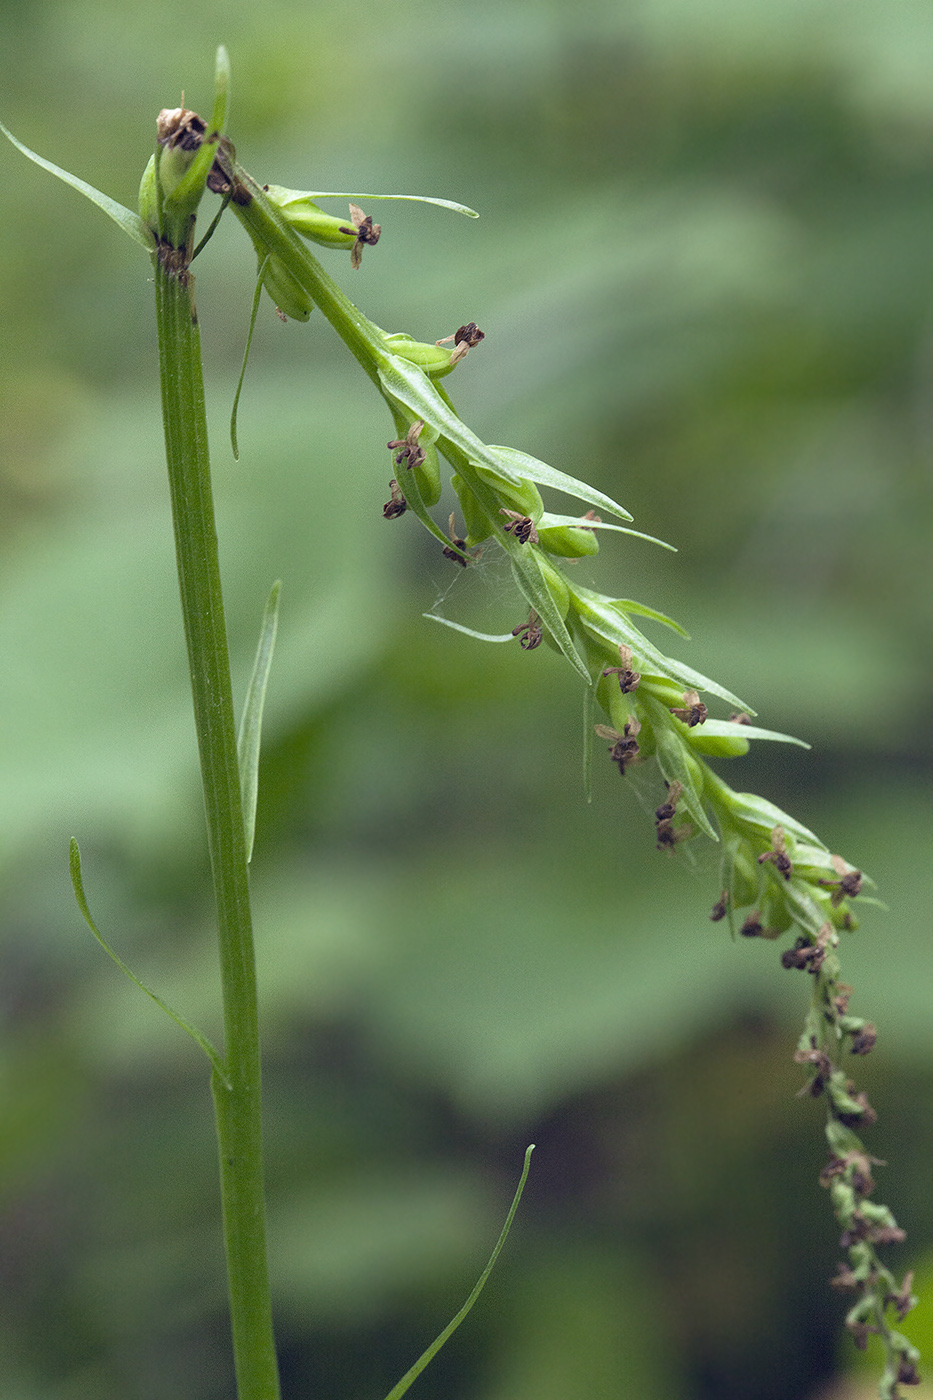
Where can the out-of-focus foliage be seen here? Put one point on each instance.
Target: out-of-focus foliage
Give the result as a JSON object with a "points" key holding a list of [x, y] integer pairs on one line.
{"points": [[704, 273]]}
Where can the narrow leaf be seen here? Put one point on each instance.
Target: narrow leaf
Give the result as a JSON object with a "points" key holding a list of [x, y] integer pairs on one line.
{"points": [[418, 198], [672, 761], [533, 586], [257, 296], [221, 90], [250, 734], [548, 519], [469, 631], [128, 221], [519, 466], [628, 605], [758, 811], [728, 729], [414, 1371], [589, 715], [196, 1035], [412, 391], [601, 617]]}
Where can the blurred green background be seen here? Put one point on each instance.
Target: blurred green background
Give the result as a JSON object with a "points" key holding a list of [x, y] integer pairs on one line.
{"points": [[703, 268]]}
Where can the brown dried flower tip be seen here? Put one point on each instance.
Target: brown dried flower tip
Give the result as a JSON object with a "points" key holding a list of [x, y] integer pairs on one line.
{"points": [[459, 552], [822, 1068], [798, 956], [841, 996], [861, 1114], [408, 449], [465, 339], [668, 835], [844, 1278], [179, 129], [860, 1332], [741, 718], [833, 1168], [778, 853], [907, 1373], [668, 808], [628, 679], [718, 910], [903, 1300], [398, 505], [624, 746], [532, 629], [694, 711], [521, 526], [847, 886], [366, 233], [864, 1041]]}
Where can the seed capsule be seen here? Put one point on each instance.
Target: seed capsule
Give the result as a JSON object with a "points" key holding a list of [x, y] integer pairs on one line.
{"points": [[569, 541]]}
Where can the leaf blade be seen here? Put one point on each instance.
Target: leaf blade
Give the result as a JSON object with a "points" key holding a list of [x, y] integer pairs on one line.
{"points": [[126, 219], [250, 735]]}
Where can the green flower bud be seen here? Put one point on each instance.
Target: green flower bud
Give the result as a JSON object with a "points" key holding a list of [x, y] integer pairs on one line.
{"points": [[663, 689], [149, 196], [180, 134], [285, 290], [309, 220], [775, 916], [741, 873], [523, 497], [717, 745], [569, 541], [435, 360], [478, 526]]}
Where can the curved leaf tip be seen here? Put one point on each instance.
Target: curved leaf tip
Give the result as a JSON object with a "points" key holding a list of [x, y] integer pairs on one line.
{"points": [[126, 219]]}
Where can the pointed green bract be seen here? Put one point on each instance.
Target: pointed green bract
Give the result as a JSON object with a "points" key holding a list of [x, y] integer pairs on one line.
{"points": [[728, 729], [250, 735], [257, 294], [414, 198], [218, 120], [548, 519], [126, 219], [414, 1371], [77, 883], [519, 466], [602, 617], [470, 631], [628, 605]]}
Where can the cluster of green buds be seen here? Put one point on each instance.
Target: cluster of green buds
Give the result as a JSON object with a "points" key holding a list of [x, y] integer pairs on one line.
{"points": [[777, 877]]}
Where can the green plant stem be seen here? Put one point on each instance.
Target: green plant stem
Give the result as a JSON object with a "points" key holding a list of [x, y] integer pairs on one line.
{"points": [[237, 1106]]}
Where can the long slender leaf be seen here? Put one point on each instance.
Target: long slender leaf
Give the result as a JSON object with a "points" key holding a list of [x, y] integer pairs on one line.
{"points": [[196, 1035], [533, 585], [628, 605], [221, 90], [728, 729], [414, 1371], [548, 519], [250, 735], [257, 295], [518, 466], [469, 631], [127, 220], [417, 198]]}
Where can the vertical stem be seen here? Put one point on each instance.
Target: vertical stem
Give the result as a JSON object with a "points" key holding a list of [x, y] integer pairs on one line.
{"points": [[237, 1106]]}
